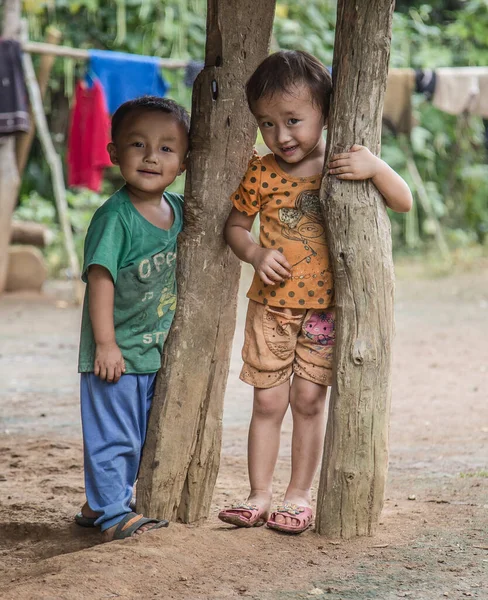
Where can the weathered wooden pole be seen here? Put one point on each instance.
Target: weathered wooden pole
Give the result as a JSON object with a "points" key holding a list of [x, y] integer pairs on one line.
{"points": [[355, 460], [9, 175], [46, 63], [182, 452], [56, 168]]}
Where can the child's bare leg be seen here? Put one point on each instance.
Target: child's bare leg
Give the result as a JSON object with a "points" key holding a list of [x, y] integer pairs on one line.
{"points": [[269, 408], [307, 400]]}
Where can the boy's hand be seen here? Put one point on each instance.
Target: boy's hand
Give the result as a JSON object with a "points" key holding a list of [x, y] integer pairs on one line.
{"points": [[359, 163], [271, 266], [109, 362]]}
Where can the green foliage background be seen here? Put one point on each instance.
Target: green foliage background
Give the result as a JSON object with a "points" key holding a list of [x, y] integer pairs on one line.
{"points": [[449, 151]]}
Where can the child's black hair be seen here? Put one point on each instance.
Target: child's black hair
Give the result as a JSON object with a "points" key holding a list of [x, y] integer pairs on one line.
{"points": [[282, 71], [150, 104]]}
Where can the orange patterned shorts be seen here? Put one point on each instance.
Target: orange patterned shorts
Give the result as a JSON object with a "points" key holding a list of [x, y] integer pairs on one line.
{"points": [[281, 341]]}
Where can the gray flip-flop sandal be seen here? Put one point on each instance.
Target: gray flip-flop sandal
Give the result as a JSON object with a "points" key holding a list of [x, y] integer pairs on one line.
{"points": [[126, 528], [83, 521]]}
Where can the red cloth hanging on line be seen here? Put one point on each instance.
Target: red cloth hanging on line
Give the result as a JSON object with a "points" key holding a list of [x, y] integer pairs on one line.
{"points": [[89, 135]]}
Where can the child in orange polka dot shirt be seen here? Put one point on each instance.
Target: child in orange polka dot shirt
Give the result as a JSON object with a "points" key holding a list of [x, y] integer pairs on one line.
{"points": [[290, 320]]}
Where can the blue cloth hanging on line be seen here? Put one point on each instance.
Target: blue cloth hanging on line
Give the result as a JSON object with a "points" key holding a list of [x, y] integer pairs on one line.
{"points": [[126, 76]]}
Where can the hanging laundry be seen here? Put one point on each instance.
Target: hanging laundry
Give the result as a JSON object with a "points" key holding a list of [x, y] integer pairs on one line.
{"points": [[14, 107], [192, 69], [89, 135], [462, 89], [126, 76], [397, 111], [425, 80]]}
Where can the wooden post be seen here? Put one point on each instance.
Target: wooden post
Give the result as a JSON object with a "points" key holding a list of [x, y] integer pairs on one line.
{"points": [[9, 176], [182, 452], [355, 461], [24, 142], [57, 176]]}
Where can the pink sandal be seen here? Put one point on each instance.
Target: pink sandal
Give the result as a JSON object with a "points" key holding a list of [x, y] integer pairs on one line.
{"points": [[302, 517], [235, 515]]}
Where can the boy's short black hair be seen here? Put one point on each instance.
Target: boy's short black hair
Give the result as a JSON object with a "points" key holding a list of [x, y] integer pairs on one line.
{"points": [[150, 104], [283, 70]]}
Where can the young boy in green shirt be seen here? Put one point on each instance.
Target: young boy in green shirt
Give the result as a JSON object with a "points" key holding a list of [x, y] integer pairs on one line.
{"points": [[130, 299]]}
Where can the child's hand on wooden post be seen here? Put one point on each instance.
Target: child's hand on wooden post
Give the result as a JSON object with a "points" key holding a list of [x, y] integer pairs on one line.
{"points": [[359, 163]]}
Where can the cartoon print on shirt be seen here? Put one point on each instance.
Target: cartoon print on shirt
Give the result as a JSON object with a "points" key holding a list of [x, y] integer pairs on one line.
{"points": [[303, 223], [154, 272]]}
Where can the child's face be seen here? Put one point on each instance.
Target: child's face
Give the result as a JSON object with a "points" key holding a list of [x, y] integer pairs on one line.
{"points": [[150, 150], [291, 125]]}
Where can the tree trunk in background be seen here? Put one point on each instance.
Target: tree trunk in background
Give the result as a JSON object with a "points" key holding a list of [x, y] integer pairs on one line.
{"points": [[355, 461], [9, 176], [182, 452]]}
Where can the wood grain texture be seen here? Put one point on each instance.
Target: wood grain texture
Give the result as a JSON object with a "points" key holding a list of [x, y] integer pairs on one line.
{"points": [[355, 460]]}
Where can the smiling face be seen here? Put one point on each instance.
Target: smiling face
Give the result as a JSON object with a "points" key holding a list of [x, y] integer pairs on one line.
{"points": [[291, 125], [150, 150]]}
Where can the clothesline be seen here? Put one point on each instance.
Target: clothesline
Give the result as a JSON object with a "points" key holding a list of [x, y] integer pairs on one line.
{"points": [[446, 87], [81, 54]]}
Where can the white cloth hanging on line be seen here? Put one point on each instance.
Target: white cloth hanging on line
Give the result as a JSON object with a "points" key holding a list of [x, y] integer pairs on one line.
{"points": [[462, 89]]}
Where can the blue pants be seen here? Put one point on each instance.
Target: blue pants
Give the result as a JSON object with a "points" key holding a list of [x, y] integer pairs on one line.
{"points": [[114, 418]]}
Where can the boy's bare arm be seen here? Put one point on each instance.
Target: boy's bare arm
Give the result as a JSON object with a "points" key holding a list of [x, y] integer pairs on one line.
{"points": [[271, 266], [109, 362], [360, 163]]}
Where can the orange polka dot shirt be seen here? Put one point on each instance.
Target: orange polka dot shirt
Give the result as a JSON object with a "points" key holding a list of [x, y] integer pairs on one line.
{"points": [[290, 222]]}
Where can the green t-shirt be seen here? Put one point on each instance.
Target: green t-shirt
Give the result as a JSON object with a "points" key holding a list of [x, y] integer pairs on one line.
{"points": [[142, 261]]}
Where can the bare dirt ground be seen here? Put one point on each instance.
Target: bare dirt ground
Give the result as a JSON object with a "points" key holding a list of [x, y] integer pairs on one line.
{"points": [[431, 546]]}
